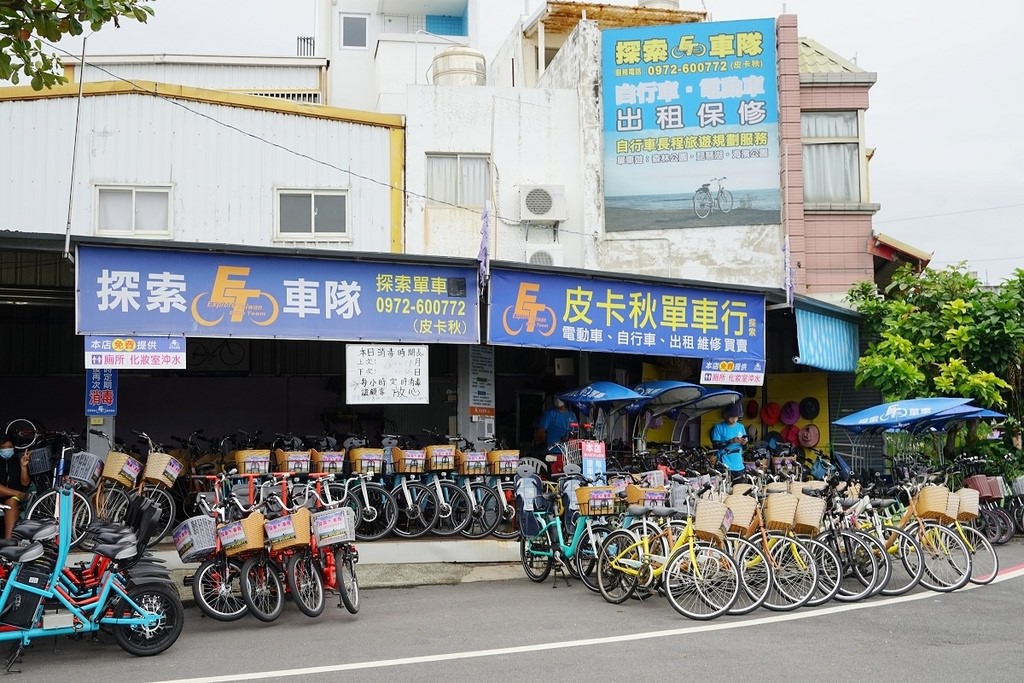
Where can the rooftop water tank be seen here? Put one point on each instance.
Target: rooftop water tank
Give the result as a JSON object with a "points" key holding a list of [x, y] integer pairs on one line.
{"points": [[459, 65]]}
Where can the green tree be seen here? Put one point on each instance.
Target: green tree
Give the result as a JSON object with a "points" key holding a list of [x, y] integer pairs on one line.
{"points": [[939, 333], [24, 24]]}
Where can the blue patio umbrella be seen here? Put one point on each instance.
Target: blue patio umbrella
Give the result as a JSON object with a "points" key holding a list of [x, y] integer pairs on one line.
{"points": [[711, 400], [660, 396], [956, 415], [897, 414], [607, 395]]}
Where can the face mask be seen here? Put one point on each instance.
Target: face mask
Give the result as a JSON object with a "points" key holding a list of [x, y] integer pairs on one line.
{"points": [[6, 453]]}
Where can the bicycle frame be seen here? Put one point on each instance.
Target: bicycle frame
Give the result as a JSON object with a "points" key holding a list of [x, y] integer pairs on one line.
{"points": [[553, 527], [87, 614]]}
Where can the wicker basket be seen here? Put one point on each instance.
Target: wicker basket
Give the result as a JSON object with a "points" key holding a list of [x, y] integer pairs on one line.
{"points": [[776, 487], [367, 460], [122, 468], [472, 463], [239, 537], [809, 511], [969, 500], [597, 500], [288, 530], [979, 482], [162, 468], [931, 502], [328, 461], [502, 462], [997, 487], [298, 462], [409, 462], [636, 495], [780, 511], [251, 461], [712, 520], [440, 458], [740, 489], [743, 509]]}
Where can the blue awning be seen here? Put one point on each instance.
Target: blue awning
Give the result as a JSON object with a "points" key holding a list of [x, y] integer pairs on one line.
{"points": [[825, 341]]}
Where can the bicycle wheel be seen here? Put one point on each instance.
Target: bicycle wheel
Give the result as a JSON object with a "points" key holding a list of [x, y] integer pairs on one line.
{"points": [[378, 513], [508, 523], [794, 573], [485, 512], [907, 565], [24, 433], [306, 583], [535, 554], [146, 641], [984, 561], [702, 203], [858, 566], [217, 589], [262, 589], [453, 510], [47, 504], [348, 582], [1006, 526], [755, 574], [111, 502], [701, 581], [584, 559], [417, 513], [830, 572], [165, 504], [618, 565], [989, 524], [725, 200], [947, 562]]}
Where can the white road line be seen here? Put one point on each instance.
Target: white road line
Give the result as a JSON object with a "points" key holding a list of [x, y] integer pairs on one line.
{"points": [[522, 649]]}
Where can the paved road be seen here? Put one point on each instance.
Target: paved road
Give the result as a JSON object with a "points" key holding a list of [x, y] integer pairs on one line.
{"points": [[517, 629]]}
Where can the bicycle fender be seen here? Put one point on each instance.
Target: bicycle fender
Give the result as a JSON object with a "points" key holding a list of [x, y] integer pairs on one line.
{"points": [[151, 581]]}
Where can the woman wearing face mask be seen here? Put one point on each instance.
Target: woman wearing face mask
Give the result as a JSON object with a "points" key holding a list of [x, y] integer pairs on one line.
{"points": [[14, 481]]}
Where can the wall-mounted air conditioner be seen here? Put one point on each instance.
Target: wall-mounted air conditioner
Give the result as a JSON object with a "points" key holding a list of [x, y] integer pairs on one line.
{"points": [[544, 254], [542, 203]]}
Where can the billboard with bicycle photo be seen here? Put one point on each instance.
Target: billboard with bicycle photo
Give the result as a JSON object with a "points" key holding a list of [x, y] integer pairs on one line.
{"points": [[691, 125]]}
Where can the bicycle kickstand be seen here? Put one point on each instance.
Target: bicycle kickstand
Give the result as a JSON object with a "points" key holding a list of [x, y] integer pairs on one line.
{"points": [[14, 656], [560, 568]]}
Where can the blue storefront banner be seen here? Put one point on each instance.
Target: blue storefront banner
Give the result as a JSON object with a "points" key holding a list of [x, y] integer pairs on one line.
{"points": [[593, 314], [100, 392], [691, 125], [200, 294]]}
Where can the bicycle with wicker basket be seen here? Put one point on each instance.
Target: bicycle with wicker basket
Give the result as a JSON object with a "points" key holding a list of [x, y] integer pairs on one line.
{"points": [[71, 466]]}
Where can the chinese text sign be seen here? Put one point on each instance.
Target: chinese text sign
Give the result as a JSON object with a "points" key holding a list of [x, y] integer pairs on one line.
{"points": [[386, 374]]}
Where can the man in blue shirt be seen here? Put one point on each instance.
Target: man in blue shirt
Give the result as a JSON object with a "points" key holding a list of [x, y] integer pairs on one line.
{"points": [[729, 437], [552, 427]]}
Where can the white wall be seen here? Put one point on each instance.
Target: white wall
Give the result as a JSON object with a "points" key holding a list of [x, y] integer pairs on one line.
{"points": [[532, 137], [352, 78], [222, 180]]}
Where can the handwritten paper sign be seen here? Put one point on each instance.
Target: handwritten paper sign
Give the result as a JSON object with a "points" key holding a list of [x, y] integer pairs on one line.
{"points": [[386, 374]]}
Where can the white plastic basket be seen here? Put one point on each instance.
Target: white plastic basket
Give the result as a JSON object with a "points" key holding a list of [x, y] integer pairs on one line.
{"points": [[86, 468]]}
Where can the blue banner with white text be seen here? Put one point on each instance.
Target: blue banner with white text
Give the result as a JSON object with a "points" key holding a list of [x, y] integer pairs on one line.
{"points": [[202, 294], [593, 314]]}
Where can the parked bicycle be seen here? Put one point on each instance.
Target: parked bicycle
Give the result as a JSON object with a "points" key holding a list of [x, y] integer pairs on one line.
{"points": [[704, 201]]}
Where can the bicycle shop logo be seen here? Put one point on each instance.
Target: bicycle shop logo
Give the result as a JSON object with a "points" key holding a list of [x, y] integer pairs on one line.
{"points": [[528, 314], [231, 296]]}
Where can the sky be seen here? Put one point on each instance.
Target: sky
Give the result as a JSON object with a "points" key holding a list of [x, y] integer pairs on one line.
{"points": [[941, 116]]}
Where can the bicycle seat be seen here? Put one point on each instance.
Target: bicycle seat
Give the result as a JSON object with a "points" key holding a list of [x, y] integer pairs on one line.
{"points": [[705, 186], [882, 502], [18, 554], [116, 551]]}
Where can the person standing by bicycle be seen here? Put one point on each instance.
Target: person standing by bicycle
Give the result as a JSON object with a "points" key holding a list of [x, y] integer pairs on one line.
{"points": [[552, 427], [729, 437], [14, 481]]}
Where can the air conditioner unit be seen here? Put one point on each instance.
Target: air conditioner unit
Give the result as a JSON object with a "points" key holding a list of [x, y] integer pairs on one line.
{"points": [[542, 203], [544, 254]]}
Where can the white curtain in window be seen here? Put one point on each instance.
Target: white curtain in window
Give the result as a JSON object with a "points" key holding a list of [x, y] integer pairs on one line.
{"points": [[443, 179], [831, 173], [474, 181]]}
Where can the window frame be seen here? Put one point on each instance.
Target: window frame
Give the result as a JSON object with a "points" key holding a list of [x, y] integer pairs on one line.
{"points": [[98, 230], [312, 235], [857, 140], [342, 16], [458, 156]]}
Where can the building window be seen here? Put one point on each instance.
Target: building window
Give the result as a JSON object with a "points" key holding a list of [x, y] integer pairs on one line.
{"points": [[353, 31], [831, 151], [312, 215], [458, 179], [128, 211]]}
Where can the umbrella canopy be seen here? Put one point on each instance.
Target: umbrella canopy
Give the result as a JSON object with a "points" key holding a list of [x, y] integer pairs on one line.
{"points": [[607, 395], [662, 395], [947, 418], [709, 401], [897, 414]]}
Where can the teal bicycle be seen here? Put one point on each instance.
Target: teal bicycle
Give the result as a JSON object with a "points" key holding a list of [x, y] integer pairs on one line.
{"points": [[571, 549]]}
